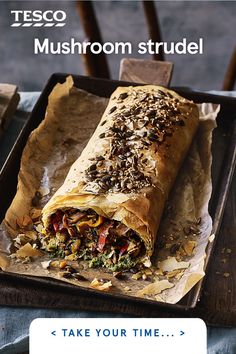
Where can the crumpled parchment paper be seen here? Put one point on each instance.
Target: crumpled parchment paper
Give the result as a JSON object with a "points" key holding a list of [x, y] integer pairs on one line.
{"points": [[178, 261]]}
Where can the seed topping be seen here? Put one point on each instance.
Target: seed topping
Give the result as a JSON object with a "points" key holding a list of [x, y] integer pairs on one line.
{"points": [[139, 127]]}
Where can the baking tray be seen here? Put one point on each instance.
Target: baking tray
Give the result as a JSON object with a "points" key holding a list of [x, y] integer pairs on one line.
{"points": [[26, 290]]}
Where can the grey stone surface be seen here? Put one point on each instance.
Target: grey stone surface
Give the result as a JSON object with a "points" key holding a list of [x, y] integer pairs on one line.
{"points": [[215, 21]]}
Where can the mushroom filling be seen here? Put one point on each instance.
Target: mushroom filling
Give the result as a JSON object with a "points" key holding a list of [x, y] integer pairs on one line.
{"points": [[77, 234]]}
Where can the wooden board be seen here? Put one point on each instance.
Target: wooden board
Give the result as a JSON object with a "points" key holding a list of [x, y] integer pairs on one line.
{"points": [[146, 71], [9, 99]]}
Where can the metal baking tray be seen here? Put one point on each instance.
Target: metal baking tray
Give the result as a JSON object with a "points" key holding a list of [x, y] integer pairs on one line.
{"points": [[26, 290]]}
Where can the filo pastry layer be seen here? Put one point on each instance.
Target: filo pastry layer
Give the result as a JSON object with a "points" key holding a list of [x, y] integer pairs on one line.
{"points": [[128, 167]]}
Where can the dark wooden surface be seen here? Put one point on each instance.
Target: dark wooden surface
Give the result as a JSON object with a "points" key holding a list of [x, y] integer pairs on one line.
{"points": [[96, 64], [230, 75], [154, 29], [217, 305], [9, 99]]}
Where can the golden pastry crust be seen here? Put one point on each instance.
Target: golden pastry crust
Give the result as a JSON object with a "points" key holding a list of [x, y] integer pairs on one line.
{"points": [[130, 163]]}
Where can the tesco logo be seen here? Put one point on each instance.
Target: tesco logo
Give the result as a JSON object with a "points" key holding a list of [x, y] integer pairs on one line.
{"points": [[38, 18]]}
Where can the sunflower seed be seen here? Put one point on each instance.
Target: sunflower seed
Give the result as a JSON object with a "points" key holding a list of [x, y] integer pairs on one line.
{"points": [[100, 158], [112, 109], [66, 275], [78, 276], [123, 96]]}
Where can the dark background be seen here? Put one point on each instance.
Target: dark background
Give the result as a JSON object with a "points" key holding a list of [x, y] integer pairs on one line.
{"points": [[215, 21]]}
